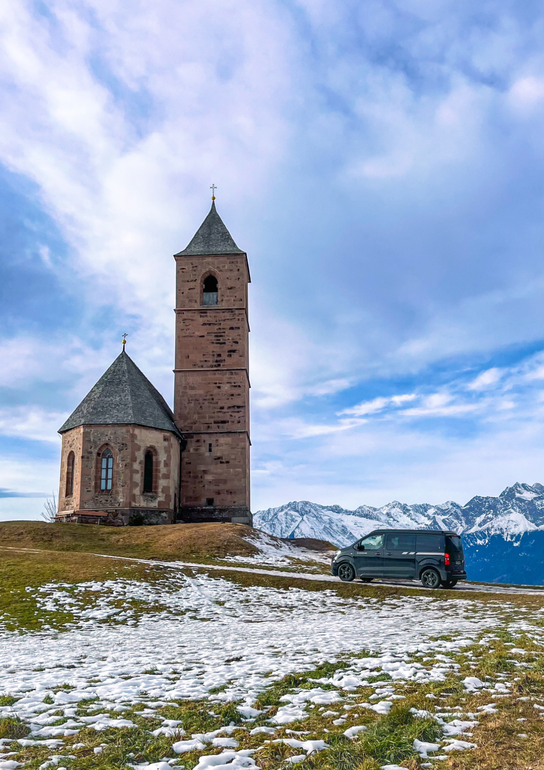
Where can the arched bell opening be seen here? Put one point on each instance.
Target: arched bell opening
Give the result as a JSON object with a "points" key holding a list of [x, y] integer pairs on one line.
{"points": [[210, 290]]}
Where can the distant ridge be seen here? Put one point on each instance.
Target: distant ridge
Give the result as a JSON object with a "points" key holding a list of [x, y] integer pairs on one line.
{"points": [[518, 509]]}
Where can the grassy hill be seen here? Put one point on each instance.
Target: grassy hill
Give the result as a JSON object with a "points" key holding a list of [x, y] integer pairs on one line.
{"points": [[178, 541]]}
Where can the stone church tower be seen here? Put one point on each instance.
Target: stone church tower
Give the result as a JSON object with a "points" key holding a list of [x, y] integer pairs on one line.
{"points": [[211, 394]]}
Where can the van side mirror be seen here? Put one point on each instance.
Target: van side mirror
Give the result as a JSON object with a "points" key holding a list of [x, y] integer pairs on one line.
{"points": [[360, 547]]}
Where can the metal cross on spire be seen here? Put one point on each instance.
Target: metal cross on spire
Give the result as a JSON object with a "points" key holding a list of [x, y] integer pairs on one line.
{"points": [[213, 188]]}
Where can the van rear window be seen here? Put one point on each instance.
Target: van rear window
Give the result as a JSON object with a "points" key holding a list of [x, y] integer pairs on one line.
{"points": [[427, 543], [454, 545]]}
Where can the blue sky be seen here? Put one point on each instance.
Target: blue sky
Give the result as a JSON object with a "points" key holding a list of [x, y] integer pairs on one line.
{"points": [[382, 164]]}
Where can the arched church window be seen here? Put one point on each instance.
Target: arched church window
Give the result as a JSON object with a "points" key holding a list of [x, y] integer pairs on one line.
{"points": [[148, 471], [106, 471], [210, 290], [70, 463]]}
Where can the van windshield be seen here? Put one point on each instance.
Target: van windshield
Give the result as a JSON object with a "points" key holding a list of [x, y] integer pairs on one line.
{"points": [[454, 545]]}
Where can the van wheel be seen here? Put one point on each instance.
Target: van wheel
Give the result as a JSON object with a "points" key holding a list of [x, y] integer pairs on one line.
{"points": [[346, 572], [449, 583], [430, 578]]}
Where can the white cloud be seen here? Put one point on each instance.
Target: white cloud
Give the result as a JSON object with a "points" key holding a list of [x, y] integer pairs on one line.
{"points": [[384, 461], [367, 407], [116, 194], [535, 374], [506, 404], [403, 399], [378, 404], [29, 477], [328, 387], [29, 359], [452, 410], [31, 423], [233, 102], [486, 379], [18, 508], [527, 93]]}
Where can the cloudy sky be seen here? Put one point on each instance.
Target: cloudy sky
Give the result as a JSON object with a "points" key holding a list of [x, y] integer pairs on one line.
{"points": [[381, 161]]}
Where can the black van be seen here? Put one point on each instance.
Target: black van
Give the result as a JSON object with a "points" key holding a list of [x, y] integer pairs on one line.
{"points": [[436, 558]]}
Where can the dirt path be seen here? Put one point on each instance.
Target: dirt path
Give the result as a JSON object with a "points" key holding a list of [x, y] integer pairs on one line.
{"points": [[464, 586]]}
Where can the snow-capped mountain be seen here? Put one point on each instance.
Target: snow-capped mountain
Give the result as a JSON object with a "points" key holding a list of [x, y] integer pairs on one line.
{"points": [[511, 526], [517, 510]]}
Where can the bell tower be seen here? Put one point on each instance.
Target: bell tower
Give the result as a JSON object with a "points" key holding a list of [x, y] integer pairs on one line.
{"points": [[211, 393]]}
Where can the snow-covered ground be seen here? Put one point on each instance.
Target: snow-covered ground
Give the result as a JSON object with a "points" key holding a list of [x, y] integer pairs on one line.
{"points": [[183, 638], [269, 631], [276, 553]]}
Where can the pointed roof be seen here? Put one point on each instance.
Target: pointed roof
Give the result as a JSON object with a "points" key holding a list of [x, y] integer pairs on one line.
{"points": [[123, 396], [212, 237]]}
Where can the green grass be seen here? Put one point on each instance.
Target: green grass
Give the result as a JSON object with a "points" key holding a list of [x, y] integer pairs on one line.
{"points": [[272, 696], [380, 678], [12, 727], [390, 739], [343, 754], [121, 743], [22, 573], [7, 700]]}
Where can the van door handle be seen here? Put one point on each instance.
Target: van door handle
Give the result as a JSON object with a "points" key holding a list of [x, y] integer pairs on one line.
{"points": [[389, 553]]}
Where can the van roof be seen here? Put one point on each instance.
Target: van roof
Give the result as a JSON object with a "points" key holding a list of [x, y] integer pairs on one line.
{"points": [[414, 531]]}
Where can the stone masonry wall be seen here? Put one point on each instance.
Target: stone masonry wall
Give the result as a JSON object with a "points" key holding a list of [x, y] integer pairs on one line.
{"points": [[213, 401], [211, 338], [166, 468], [72, 441], [220, 473], [118, 439], [211, 394], [128, 444]]}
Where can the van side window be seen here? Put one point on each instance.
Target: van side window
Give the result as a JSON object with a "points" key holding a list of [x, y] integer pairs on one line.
{"points": [[427, 543], [372, 543], [401, 541]]}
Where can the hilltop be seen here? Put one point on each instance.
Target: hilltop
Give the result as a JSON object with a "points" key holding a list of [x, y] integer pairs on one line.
{"points": [[205, 543]]}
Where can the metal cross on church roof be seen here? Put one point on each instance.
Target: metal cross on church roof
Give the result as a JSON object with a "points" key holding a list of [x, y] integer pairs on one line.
{"points": [[213, 188]]}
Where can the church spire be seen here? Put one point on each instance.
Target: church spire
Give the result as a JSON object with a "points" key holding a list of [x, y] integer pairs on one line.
{"points": [[211, 238]]}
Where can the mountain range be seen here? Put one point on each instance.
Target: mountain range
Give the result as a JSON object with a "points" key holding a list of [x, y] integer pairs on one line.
{"points": [[503, 536]]}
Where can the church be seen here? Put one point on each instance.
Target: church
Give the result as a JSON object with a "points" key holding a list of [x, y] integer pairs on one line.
{"points": [[126, 457]]}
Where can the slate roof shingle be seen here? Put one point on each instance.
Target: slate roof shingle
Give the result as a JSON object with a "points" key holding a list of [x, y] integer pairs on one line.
{"points": [[212, 237], [123, 396]]}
